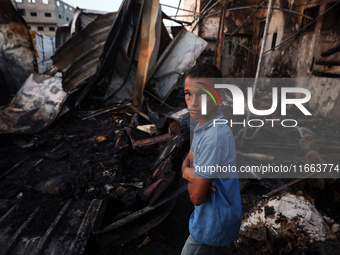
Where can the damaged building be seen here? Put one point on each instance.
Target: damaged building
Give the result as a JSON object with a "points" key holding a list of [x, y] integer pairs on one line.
{"points": [[92, 148]]}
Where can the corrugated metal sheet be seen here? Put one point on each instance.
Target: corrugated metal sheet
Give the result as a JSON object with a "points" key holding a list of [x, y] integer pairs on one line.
{"points": [[78, 57], [175, 60], [16, 51]]}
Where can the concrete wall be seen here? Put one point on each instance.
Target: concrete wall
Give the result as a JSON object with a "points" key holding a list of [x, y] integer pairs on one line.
{"points": [[44, 16], [296, 58]]}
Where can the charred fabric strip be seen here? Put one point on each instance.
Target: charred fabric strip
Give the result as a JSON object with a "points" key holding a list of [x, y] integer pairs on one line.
{"points": [[327, 63], [78, 57], [111, 47], [324, 74], [331, 51], [34, 107], [17, 52]]}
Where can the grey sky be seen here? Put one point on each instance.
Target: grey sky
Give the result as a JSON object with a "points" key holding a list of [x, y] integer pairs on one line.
{"points": [[110, 6]]}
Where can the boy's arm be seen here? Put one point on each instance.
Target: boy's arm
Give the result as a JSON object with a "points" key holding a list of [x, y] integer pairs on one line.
{"points": [[198, 187], [198, 190], [186, 170]]}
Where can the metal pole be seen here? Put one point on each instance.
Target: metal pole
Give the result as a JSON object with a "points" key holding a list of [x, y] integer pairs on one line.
{"points": [[265, 33]]}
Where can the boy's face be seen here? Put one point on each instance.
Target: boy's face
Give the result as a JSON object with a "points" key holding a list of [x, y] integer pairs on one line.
{"points": [[193, 99]]}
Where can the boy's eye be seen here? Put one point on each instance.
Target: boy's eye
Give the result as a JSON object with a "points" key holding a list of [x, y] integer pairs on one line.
{"points": [[187, 94]]}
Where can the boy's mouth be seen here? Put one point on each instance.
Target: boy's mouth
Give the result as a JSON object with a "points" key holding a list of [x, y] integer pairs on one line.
{"points": [[195, 111]]}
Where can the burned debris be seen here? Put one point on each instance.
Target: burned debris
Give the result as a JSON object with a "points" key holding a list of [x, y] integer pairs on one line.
{"points": [[91, 150], [109, 169]]}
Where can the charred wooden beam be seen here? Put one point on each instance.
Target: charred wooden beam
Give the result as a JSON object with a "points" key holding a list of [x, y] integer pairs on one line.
{"points": [[324, 74], [150, 141], [52, 227]]}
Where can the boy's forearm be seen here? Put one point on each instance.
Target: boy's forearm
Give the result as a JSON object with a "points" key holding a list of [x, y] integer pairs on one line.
{"points": [[186, 170], [186, 173]]}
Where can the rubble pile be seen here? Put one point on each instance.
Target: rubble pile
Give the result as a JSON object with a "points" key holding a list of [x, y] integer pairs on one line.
{"points": [[290, 217]]}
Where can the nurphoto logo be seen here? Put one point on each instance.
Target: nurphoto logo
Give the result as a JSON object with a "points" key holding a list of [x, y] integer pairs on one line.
{"points": [[239, 104]]}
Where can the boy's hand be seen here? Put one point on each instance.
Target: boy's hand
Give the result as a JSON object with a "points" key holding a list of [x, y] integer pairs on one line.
{"points": [[212, 187]]}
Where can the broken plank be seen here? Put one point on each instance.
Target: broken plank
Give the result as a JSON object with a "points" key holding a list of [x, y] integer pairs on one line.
{"points": [[257, 156], [150, 141]]}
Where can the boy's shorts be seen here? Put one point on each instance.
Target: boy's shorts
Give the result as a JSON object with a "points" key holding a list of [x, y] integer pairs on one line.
{"points": [[193, 247]]}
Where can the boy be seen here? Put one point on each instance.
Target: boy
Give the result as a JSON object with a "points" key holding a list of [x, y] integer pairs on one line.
{"points": [[216, 219]]}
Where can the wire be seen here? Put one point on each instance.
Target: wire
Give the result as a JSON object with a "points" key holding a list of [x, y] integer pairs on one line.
{"points": [[240, 26], [203, 15], [262, 7], [179, 4]]}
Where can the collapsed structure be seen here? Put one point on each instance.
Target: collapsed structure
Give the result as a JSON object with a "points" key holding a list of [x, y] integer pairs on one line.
{"points": [[100, 136]]}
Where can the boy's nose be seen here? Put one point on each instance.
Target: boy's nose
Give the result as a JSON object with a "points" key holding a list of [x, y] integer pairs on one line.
{"points": [[194, 100]]}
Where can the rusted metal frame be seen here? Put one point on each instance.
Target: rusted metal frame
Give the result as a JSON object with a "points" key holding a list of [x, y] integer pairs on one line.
{"points": [[302, 29], [111, 46], [264, 39], [134, 44], [204, 14], [42, 241], [146, 209], [219, 41], [79, 243], [262, 7], [148, 49], [9, 212], [14, 238], [244, 22], [151, 141]]}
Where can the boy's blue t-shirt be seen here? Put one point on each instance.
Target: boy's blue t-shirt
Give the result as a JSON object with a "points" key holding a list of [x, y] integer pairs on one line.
{"points": [[217, 221]]}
